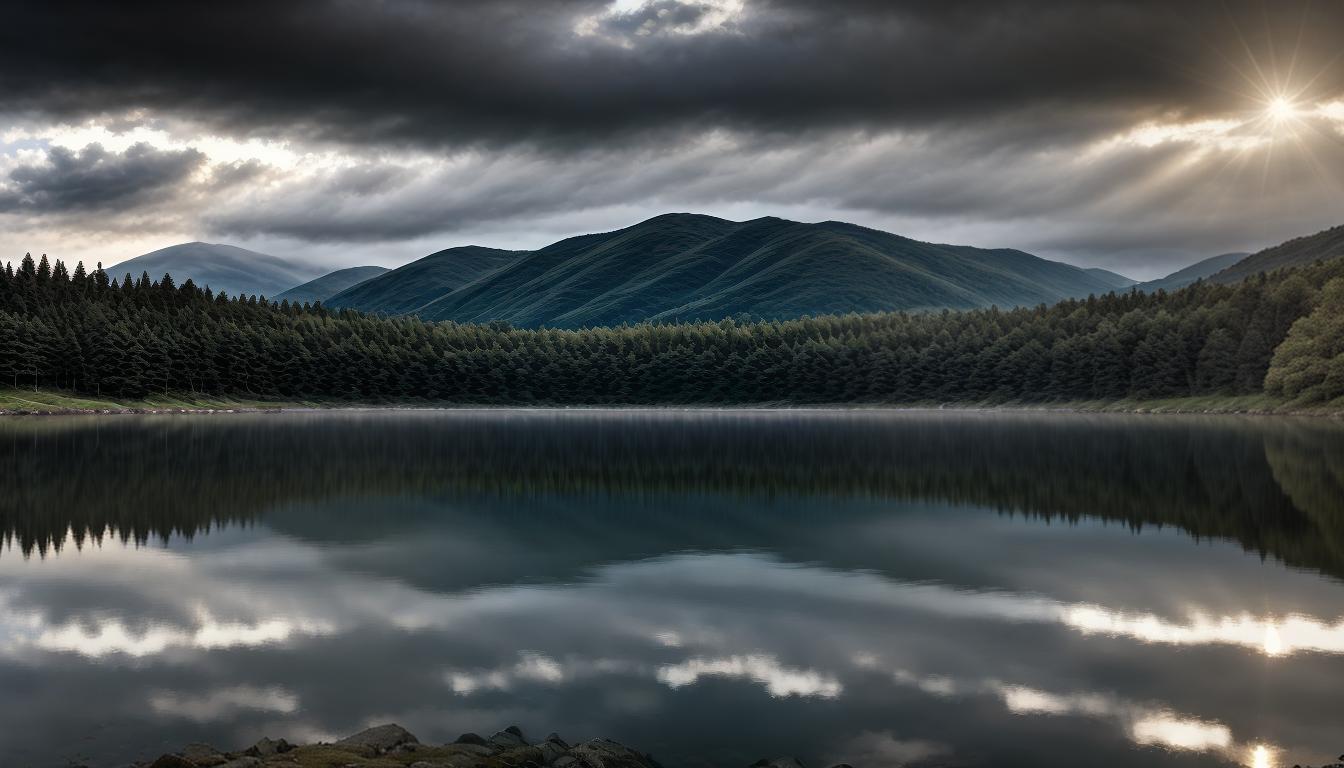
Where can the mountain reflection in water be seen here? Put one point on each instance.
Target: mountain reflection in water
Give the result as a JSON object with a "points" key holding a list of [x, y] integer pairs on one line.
{"points": [[883, 588]]}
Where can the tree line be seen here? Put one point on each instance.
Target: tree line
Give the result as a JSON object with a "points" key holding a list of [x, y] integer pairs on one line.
{"points": [[91, 334]]}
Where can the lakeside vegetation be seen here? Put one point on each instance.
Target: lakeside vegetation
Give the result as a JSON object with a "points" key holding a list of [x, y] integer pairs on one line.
{"points": [[1275, 335]]}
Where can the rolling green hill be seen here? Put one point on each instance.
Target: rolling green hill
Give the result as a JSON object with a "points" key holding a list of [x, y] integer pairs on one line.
{"points": [[329, 285], [405, 289], [694, 267], [1294, 253], [1200, 270], [225, 268], [1113, 279]]}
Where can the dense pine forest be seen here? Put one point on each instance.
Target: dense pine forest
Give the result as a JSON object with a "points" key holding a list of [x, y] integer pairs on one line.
{"points": [[1282, 334]]}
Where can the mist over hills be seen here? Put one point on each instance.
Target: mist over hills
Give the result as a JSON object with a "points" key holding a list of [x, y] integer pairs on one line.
{"points": [[329, 284], [695, 267], [223, 268]]}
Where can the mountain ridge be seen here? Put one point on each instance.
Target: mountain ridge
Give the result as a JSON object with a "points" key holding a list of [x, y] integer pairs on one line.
{"points": [[330, 284], [219, 266], [1200, 270], [1299, 251], [686, 266]]}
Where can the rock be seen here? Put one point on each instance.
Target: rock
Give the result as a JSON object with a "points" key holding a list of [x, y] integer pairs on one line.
{"points": [[379, 739], [780, 762], [552, 751], [204, 755], [246, 761], [604, 753], [554, 738], [267, 747], [172, 761], [480, 750], [470, 738], [509, 737], [564, 762]]}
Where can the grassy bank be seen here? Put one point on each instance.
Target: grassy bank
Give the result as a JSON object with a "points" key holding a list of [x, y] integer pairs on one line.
{"points": [[45, 401], [53, 401]]}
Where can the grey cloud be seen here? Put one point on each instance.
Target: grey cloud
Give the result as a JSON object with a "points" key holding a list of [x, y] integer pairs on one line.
{"points": [[517, 71], [94, 179]]}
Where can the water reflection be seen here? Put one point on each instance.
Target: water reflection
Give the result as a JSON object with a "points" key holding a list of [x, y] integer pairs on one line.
{"points": [[889, 588]]}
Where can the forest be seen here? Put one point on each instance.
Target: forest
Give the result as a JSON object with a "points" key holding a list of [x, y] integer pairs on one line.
{"points": [[1280, 334]]}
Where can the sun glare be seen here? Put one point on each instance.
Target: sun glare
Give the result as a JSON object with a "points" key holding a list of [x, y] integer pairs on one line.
{"points": [[1261, 758], [1280, 109]]}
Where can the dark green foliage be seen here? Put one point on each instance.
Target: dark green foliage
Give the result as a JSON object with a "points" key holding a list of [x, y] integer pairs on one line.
{"points": [[686, 267], [1309, 365], [328, 285], [137, 337]]}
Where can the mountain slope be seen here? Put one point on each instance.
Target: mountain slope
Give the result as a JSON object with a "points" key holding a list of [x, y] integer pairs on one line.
{"points": [[224, 268], [1200, 270], [404, 290], [693, 267], [1113, 279], [1294, 253], [329, 284]]}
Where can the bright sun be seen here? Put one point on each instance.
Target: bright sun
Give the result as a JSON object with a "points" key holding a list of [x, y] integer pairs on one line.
{"points": [[1281, 109]]}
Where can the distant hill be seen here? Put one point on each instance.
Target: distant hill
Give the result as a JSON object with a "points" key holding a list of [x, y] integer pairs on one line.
{"points": [[1297, 252], [1115, 280], [1200, 270], [329, 285], [404, 290], [693, 267], [224, 268]]}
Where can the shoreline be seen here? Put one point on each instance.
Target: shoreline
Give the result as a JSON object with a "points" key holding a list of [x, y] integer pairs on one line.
{"points": [[391, 745], [47, 403]]}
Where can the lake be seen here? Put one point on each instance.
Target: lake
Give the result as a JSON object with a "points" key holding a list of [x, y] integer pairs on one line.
{"points": [[876, 587]]}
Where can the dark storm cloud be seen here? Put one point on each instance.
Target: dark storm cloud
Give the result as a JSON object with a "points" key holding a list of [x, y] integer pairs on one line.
{"points": [[95, 179], [510, 70]]}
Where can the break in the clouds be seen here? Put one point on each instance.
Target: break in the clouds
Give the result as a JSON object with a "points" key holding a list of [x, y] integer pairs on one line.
{"points": [[1137, 135]]}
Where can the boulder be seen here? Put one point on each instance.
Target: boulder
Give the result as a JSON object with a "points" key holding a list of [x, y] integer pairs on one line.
{"points": [[246, 761], [172, 761], [554, 738], [605, 753], [267, 747], [509, 738], [204, 755], [552, 751], [378, 740], [470, 738], [479, 750]]}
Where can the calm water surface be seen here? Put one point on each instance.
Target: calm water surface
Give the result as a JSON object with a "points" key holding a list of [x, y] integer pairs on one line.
{"points": [[881, 588]]}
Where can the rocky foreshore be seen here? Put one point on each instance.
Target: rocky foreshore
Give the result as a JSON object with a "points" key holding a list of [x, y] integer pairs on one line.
{"points": [[391, 746]]}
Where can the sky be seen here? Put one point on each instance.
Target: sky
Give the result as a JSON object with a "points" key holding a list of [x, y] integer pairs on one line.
{"points": [[1134, 135]]}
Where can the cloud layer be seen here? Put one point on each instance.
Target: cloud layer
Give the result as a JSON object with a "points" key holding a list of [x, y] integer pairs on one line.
{"points": [[1126, 133]]}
